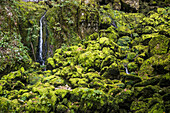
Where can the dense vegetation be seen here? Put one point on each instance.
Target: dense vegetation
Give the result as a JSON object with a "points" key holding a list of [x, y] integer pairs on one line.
{"points": [[91, 46]]}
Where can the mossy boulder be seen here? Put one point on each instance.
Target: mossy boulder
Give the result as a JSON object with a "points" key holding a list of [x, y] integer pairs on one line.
{"points": [[104, 42], [111, 72], [92, 45], [138, 106], [105, 21], [157, 64], [159, 44], [165, 80], [109, 33], [150, 81], [131, 79], [88, 99], [54, 80], [91, 75], [131, 56], [124, 41], [139, 60], [132, 66], [124, 31], [79, 82], [91, 59], [108, 61], [123, 96], [61, 108], [147, 37], [148, 91]]}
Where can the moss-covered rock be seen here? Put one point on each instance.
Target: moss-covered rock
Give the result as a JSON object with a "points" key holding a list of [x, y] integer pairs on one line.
{"points": [[154, 65], [131, 56], [108, 61], [159, 45], [91, 59], [111, 72], [124, 41]]}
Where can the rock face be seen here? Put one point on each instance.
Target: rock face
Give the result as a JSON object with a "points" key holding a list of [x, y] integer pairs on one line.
{"points": [[88, 75]]}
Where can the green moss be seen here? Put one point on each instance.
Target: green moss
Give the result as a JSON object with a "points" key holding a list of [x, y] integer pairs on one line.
{"points": [[79, 69], [157, 108], [91, 75], [91, 59], [158, 44], [148, 91], [61, 108], [107, 51], [104, 41], [149, 29], [19, 85], [112, 71], [108, 61], [114, 91], [61, 92], [165, 80], [105, 20], [26, 96], [139, 49], [124, 41], [131, 56], [41, 90], [139, 60], [83, 82], [97, 83], [51, 62], [78, 82], [93, 36], [111, 34], [147, 37], [161, 10], [132, 79], [120, 85], [93, 45], [123, 96], [124, 30], [132, 66], [138, 106], [155, 64]]}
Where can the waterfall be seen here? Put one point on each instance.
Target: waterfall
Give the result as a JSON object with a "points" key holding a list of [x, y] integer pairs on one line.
{"points": [[126, 70], [40, 54], [41, 38], [125, 66]]}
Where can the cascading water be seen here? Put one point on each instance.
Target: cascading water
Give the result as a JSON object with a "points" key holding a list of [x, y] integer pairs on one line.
{"points": [[41, 60], [125, 66], [126, 70]]}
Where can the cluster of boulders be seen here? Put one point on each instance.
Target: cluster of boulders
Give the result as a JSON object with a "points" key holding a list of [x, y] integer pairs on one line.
{"points": [[124, 67]]}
